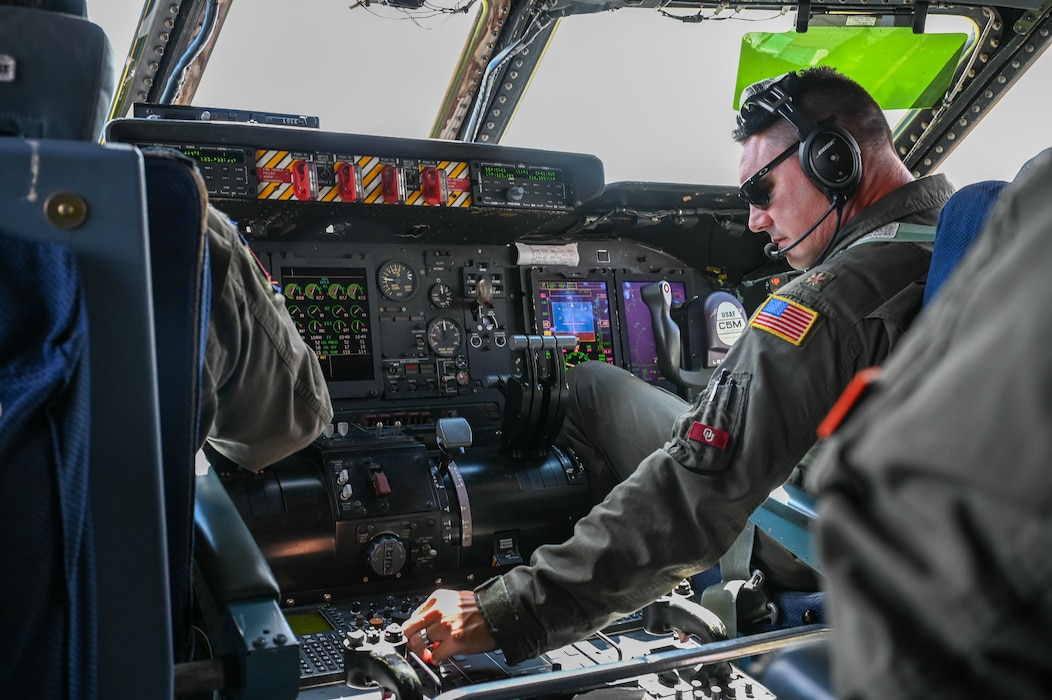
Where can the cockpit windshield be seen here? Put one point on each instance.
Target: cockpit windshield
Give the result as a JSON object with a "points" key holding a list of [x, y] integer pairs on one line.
{"points": [[649, 90]]}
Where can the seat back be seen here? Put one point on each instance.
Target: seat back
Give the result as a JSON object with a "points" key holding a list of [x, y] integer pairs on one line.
{"points": [[176, 207], [56, 82], [57, 73], [51, 193], [133, 228], [43, 405]]}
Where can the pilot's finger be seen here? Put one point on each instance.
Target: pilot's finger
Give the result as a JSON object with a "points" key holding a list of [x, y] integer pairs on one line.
{"points": [[418, 622], [425, 613], [419, 642]]}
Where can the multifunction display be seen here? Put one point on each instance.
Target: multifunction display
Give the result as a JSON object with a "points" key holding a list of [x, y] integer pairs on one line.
{"points": [[580, 308], [226, 171], [330, 307]]}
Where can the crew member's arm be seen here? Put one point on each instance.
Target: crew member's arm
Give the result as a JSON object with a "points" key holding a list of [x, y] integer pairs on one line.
{"points": [[685, 504], [676, 514], [263, 384]]}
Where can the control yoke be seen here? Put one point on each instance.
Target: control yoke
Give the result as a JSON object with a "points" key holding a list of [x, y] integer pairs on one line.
{"points": [[667, 340], [677, 612]]}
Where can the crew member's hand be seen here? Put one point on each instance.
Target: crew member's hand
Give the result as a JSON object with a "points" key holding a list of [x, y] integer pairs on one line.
{"points": [[448, 623]]}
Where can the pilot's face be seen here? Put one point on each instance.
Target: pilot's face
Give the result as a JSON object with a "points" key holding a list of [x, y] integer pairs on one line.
{"points": [[793, 204]]}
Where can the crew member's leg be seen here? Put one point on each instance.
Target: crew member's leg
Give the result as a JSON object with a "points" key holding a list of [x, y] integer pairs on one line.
{"points": [[614, 420]]}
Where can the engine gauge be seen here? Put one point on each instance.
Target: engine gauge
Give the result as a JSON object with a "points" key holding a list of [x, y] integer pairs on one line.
{"points": [[444, 337], [397, 280], [441, 296]]}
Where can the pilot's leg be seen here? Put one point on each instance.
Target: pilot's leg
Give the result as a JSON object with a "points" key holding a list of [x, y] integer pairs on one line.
{"points": [[614, 420]]}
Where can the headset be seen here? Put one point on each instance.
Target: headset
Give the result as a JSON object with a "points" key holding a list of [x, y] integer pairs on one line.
{"points": [[829, 155]]}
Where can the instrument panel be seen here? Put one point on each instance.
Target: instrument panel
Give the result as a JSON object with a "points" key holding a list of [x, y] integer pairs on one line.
{"points": [[445, 289], [401, 330]]}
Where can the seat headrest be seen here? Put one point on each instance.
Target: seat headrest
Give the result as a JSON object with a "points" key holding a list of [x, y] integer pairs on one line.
{"points": [[70, 7], [57, 73], [960, 221]]}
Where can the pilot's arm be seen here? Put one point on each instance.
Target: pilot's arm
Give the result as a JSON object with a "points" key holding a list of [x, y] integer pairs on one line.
{"points": [[262, 384], [686, 503]]}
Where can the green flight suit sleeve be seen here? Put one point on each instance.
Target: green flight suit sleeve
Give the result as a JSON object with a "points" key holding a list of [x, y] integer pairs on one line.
{"points": [[263, 385]]}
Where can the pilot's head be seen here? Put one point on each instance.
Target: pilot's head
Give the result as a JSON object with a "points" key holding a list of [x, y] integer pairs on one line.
{"points": [[805, 138]]}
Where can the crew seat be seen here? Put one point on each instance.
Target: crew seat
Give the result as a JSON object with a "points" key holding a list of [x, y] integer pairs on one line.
{"points": [[100, 363], [960, 221]]}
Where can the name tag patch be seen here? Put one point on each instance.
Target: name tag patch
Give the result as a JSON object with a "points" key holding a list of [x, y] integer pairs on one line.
{"points": [[699, 432], [784, 318]]}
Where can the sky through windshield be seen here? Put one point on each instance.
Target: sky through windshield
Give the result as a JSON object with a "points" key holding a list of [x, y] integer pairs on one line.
{"points": [[650, 96]]}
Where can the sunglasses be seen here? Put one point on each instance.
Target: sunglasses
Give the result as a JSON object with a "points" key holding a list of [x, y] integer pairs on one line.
{"points": [[753, 191]]}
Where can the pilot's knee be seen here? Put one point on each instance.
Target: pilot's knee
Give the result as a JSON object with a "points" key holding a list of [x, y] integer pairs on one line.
{"points": [[590, 379]]}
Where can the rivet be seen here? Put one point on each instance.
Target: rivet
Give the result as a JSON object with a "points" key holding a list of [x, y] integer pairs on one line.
{"points": [[66, 210]]}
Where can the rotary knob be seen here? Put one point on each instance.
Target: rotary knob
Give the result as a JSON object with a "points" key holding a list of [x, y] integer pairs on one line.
{"points": [[386, 555]]}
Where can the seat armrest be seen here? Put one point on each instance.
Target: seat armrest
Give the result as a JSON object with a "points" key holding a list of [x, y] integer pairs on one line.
{"points": [[256, 653], [787, 515], [227, 556]]}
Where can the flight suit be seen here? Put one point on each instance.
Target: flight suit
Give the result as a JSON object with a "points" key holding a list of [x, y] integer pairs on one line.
{"points": [[935, 507], [686, 502], [264, 393]]}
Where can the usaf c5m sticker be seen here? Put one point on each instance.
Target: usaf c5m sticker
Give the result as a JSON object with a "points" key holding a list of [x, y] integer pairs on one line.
{"points": [[784, 318]]}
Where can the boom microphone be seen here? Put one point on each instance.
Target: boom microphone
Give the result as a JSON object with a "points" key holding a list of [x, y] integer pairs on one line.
{"points": [[772, 251]]}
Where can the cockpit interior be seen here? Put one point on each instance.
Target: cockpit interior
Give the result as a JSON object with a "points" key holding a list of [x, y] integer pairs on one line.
{"points": [[446, 284]]}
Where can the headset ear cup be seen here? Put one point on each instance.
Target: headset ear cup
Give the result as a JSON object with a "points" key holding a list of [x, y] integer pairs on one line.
{"points": [[831, 158]]}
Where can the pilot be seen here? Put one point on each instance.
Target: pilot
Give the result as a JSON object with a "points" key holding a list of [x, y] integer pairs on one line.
{"points": [[822, 179], [934, 496], [264, 393]]}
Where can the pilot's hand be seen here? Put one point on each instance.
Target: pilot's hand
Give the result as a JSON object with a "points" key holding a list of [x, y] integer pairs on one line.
{"points": [[448, 623]]}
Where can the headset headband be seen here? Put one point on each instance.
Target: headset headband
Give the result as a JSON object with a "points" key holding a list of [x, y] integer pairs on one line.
{"points": [[829, 155]]}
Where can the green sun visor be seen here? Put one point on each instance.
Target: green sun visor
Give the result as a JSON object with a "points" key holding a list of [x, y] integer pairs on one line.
{"points": [[901, 69]]}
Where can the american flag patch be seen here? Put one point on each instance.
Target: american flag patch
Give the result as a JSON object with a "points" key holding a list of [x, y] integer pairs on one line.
{"points": [[785, 318]]}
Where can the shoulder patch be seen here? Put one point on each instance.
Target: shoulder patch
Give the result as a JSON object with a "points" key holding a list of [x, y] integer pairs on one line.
{"points": [[784, 318], [817, 280]]}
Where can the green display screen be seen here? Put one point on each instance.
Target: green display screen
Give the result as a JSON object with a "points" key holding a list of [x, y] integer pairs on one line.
{"points": [[308, 622]]}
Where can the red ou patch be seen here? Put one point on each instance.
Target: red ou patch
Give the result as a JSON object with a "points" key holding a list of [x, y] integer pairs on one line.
{"points": [[699, 432]]}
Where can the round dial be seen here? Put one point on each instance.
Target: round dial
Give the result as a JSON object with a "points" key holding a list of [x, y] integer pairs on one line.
{"points": [[444, 337], [397, 280], [441, 296], [386, 555]]}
